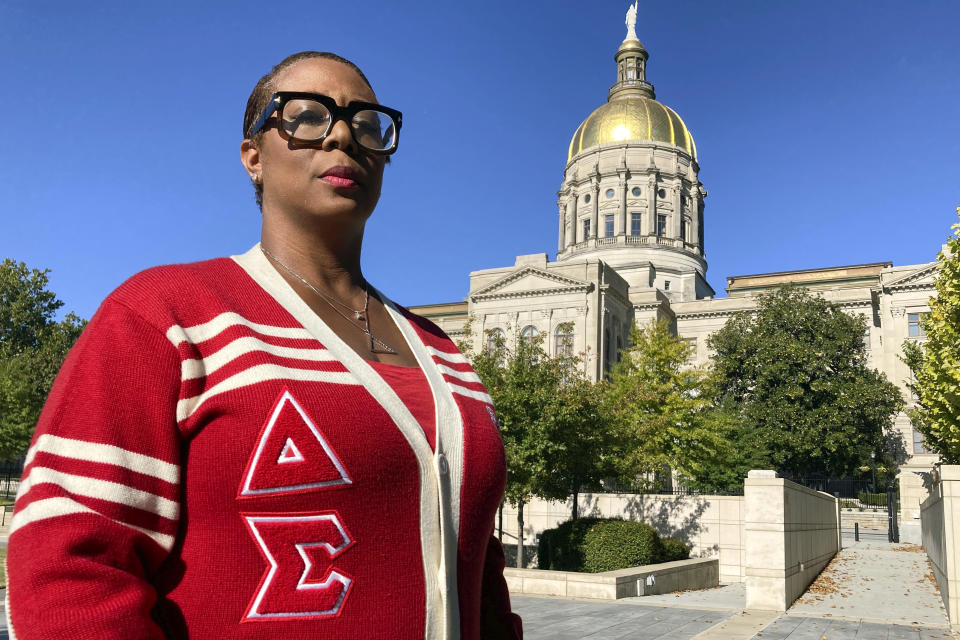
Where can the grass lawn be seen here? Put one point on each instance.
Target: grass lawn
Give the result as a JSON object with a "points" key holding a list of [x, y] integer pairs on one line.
{"points": [[3, 568]]}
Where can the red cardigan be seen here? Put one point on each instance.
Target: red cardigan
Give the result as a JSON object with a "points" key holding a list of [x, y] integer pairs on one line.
{"points": [[214, 462]]}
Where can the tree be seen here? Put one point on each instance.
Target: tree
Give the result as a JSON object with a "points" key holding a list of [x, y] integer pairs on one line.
{"points": [[550, 421], [656, 400], [936, 362], [33, 345], [794, 376]]}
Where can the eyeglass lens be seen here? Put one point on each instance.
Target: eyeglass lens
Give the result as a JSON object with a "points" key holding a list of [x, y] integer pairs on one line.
{"points": [[310, 120]]}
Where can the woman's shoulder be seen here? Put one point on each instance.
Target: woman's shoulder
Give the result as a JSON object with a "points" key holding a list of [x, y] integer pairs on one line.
{"points": [[177, 279], [431, 334], [173, 292]]}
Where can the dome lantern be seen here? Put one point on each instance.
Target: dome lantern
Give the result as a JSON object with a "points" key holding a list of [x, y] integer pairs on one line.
{"points": [[631, 60]]}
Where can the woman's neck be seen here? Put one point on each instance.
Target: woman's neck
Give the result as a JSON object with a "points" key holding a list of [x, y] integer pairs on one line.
{"points": [[329, 260]]}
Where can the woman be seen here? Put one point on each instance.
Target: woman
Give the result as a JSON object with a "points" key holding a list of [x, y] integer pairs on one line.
{"points": [[264, 446]]}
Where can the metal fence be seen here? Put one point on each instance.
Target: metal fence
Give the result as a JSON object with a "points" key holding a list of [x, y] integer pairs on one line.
{"points": [[854, 493], [656, 490], [10, 478]]}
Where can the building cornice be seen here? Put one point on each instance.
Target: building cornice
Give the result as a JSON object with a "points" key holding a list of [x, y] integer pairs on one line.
{"points": [[531, 293], [565, 281], [909, 281], [726, 313]]}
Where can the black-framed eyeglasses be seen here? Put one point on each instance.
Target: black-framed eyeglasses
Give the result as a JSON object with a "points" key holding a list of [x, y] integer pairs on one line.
{"points": [[308, 117]]}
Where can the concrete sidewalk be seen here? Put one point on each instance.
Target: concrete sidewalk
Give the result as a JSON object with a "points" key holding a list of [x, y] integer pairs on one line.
{"points": [[873, 590]]}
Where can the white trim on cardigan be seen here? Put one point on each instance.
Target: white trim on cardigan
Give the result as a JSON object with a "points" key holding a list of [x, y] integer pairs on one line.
{"points": [[439, 527]]}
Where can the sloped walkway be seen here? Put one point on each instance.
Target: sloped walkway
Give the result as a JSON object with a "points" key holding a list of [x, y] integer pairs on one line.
{"points": [[875, 581]]}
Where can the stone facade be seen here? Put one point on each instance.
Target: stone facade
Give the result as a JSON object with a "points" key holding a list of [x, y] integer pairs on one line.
{"points": [[630, 239]]}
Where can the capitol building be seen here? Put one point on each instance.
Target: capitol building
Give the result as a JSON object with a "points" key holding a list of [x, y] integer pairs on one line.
{"points": [[631, 229]]}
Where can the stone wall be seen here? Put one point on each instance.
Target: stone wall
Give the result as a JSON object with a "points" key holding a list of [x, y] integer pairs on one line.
{"points": [[711, 525], [940, 525], [790, 534], [649, 580]]}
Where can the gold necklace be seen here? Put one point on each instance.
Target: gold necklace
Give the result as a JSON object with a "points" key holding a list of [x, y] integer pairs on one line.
{"points": [[359, 315]]}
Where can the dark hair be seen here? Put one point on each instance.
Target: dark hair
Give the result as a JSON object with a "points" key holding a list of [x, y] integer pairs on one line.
{"points": [[265, 88]]}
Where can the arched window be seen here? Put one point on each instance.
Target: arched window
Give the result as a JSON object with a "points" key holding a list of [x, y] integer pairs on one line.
{"points": [[529, 333], [495, 339], [563, 340]]}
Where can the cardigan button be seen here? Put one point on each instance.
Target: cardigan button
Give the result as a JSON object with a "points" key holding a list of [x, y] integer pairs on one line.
{"points": [[442, 464]]}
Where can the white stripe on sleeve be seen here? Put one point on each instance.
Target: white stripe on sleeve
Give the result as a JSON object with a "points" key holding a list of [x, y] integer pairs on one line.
{"points": [[456, 358], [57, 507], [470, 393], [202, 332], [105, 453], [102, 490], [466, 376], [241, 346]]}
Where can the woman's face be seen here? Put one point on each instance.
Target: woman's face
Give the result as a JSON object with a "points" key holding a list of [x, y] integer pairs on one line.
{"points": [[334, 178]]}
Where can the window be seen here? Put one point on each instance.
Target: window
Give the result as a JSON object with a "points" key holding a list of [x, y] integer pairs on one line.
{"points": [[495, 340], [586, 229], [610, 194], [666, 285], [608, 225], [563, 340], [610, 354], [914, 330], [586, 198], [661, 225], [636, 224], [683, 229], [692, 346], [661, 193], [919, 446], [636, 191], [529, 333]]}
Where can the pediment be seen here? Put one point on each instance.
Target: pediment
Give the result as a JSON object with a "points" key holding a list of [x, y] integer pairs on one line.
{"points": [[530, 281], [922, 277]]}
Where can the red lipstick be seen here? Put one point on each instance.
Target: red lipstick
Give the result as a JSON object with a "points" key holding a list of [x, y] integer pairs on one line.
{"points": [[341, 177]]}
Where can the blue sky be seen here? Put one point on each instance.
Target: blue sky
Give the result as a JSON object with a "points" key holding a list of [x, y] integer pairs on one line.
{"points": [[827, 132]]}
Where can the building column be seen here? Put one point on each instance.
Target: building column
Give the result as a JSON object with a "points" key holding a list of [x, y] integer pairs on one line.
{"points": [[572, 218], [562, 215], [677, 211], [694, 217], [595, 207], [620, 227], [652, 205], [699, 214]]}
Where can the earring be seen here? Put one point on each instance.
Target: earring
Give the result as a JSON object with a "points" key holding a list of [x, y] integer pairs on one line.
{"points": [[255, 177]]}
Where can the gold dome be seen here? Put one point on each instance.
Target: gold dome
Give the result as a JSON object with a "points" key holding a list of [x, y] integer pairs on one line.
{"points": [[634, 118]]}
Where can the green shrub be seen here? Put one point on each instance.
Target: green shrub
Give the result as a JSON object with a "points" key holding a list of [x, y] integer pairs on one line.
{"points": [[562, 549], [674, 549], [873, 499], [596, 544], [618, 544]]}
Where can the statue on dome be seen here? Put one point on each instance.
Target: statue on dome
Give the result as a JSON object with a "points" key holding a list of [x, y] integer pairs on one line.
{"points": [[632, 22]]}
